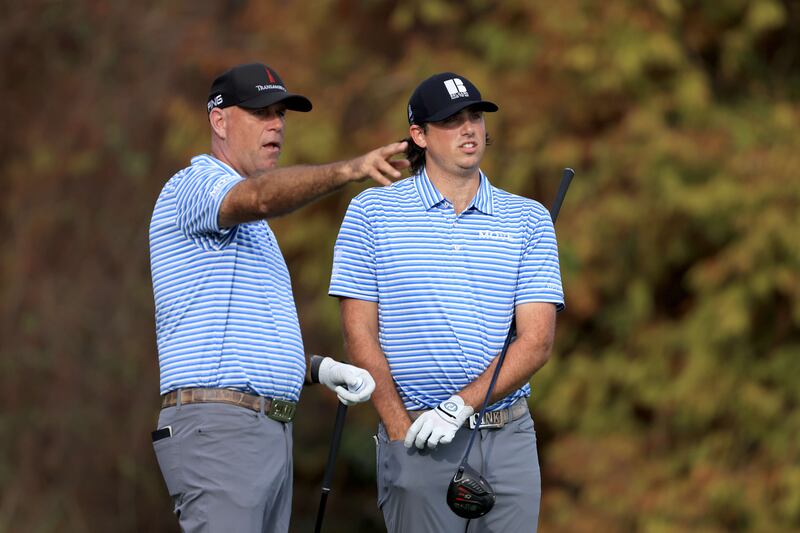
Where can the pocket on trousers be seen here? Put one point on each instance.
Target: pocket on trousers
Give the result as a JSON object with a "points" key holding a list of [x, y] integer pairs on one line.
{"points": [[390, 458], [168, 457], [383, 454], [525, 425], [380, 470]]}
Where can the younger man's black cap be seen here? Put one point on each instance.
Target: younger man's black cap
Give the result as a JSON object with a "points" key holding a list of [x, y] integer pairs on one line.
{"points": [[253, 86], [443, 95]]}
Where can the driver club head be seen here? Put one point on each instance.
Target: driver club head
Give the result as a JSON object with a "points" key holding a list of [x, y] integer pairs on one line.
{"points": [[469, 494]]}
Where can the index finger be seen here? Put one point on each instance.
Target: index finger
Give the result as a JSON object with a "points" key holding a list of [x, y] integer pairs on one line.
{"points": [[355, 383], [393, 149], [369, 385], [346, 395], [411, 434]]}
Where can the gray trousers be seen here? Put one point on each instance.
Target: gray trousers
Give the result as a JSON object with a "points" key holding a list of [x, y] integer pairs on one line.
{"points": [[412, 484], [227, 468]]}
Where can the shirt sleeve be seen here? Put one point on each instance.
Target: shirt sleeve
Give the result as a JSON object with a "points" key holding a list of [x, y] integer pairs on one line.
{"points": [[198, 197], [354, 272], [539, 274]]}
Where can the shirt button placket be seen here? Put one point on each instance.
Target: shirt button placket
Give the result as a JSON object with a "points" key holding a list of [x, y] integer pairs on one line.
{"points": [[455, 236], [454, 247]]}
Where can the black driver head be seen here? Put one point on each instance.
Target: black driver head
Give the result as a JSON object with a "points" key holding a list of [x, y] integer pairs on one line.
{"points": [[469, 494]]}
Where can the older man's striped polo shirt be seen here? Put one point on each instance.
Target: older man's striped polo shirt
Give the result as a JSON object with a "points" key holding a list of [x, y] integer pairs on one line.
{"points": [[225, 314], [446, 284]]}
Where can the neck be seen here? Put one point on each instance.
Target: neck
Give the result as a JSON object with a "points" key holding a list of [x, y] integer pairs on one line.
{"points": [[458, 189], [218, 151]]}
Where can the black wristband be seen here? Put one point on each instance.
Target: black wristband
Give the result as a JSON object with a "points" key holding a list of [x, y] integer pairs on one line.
{"points": [[316, 360]]}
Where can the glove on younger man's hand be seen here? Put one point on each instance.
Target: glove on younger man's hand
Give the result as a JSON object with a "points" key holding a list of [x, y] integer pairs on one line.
{"points": [[438, 425], [350, 383]]}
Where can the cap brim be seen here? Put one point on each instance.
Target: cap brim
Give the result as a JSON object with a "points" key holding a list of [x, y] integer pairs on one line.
{"points": [[481, 105], [294, 102]]}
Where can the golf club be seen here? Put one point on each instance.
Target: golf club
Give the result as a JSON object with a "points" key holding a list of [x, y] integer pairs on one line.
{"points": [[469, 494]]}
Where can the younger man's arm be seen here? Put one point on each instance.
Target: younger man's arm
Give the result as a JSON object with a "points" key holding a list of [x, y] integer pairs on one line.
{"points": [[360, 325]]}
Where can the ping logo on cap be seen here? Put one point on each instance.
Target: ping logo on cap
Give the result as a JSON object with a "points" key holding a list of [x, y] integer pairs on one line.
{"points": [[214, 102], [455, 87]]}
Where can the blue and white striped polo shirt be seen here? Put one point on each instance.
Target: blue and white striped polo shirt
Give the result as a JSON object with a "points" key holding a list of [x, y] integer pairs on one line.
{"points": [[446, 284], [225, 315]]}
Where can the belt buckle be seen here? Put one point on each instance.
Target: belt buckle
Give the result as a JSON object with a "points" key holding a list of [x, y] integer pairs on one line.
{"points": [[491, 420], [282, 410]]}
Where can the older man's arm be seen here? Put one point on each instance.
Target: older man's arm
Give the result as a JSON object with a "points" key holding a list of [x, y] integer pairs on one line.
{"points": [[282, 190]]}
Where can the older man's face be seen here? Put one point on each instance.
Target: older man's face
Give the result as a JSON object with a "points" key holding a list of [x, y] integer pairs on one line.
{"points": [[254, 137]]}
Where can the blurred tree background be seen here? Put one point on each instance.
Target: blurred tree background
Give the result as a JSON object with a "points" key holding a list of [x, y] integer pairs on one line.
{"points": [[672, 401]]}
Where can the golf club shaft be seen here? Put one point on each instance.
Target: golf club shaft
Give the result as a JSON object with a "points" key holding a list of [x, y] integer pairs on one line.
{"points": [[566, 179], [338, 426]]}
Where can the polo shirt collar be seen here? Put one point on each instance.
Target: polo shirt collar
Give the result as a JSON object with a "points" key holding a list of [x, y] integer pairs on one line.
{"points": [[430, 195], [211, 161], [484, 199]]}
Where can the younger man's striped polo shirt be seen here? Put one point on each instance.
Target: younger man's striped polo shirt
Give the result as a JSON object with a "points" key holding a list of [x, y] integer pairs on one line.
{"points": [[446, 284]]}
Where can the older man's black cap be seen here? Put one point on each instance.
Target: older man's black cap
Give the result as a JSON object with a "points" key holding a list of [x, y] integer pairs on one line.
{"points": [[443, 95], [253, 86]]}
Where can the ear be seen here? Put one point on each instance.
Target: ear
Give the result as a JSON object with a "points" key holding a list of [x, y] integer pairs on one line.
{"points": [[218, 122], [417, 134]]}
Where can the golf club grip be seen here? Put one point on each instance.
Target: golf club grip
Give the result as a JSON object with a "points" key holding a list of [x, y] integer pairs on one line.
{"points": [[566, 179], [338, 426]]}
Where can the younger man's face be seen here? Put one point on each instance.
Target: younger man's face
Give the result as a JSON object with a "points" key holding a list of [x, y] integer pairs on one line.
{"points": [[456, 144]]}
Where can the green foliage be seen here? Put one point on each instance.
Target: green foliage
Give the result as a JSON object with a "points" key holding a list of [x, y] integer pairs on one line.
{"points": [[672, 402]]}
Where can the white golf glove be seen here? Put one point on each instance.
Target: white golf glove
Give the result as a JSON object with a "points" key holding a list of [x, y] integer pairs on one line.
{"points": [[350, 383], [438, 425]]}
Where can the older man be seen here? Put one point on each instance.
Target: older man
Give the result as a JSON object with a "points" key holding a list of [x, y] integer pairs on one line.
{"points": [[230, 351]]}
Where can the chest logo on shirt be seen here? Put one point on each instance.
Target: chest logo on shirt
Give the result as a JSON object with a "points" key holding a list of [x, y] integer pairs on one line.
{"points": [[494, 235]]}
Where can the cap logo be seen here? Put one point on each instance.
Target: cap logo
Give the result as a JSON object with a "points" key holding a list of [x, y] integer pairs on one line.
{"points": [[456, 88], [271, 87], [269, 75], [214, 102], [410, 114]]}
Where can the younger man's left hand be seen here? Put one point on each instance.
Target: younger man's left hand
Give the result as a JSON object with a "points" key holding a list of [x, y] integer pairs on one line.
{"points": [[438, 425]]}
